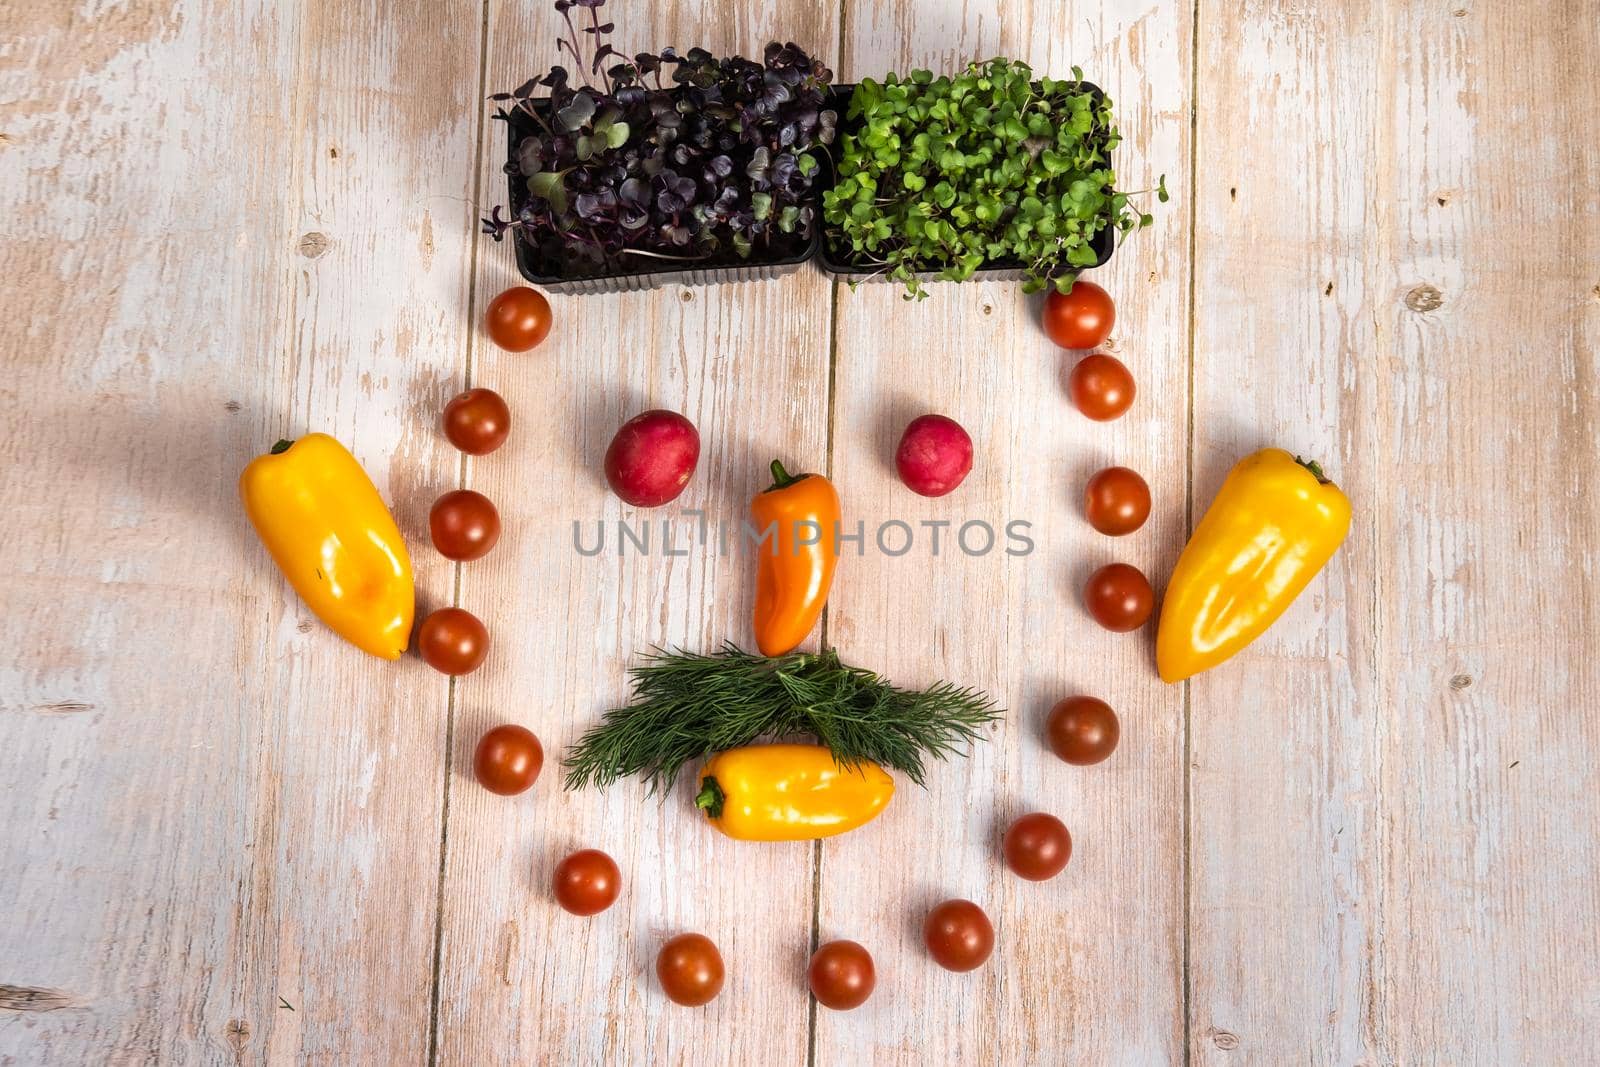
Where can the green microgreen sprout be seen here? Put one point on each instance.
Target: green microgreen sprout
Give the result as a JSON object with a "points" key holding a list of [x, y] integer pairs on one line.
{"points": [[945, 175]]}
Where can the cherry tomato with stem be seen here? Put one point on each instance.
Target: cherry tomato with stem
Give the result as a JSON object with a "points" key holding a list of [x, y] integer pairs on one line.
{"points": [[959, 935], [1119, 597], [1116, 501], [452, 641], [464, 525], [1082, 318], [477, 421], [841, 975], [1083, 730], [518, 319], [507, 760], [690, 969], [1037, 847], [1101, 387], [587, 882]]}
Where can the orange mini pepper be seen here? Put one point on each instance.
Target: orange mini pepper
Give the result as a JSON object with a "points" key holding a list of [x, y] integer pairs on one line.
{"points": [[794, 569]]}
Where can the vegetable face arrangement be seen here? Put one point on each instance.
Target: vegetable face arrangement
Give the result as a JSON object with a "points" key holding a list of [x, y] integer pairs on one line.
{"points": [[947, 175], [711, 163]]}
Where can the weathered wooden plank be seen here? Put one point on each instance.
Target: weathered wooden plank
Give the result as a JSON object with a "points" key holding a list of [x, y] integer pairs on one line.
{"points": [[1087, 967], [225, 224], [748, 364], [1391, 813]]}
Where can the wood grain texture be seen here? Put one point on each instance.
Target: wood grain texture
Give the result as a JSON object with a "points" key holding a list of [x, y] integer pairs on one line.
{"points": [[223, 225], [1392, 821], [748, 364], [1087, 967]]}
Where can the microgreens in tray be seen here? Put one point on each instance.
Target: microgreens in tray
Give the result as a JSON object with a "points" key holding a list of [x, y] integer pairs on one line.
{"points": [[667, 157], [991, 167]]}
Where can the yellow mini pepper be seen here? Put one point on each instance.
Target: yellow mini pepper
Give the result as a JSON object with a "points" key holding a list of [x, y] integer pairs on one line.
{"points": [[1274, 524], [789, 793], [328, 530]]}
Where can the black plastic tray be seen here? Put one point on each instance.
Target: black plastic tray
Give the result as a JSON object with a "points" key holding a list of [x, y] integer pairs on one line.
{"points": [[842, 267], [539, 270], [712, 271]]}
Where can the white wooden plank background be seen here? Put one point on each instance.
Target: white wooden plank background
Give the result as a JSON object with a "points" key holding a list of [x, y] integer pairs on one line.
{"points": [[230, 839]]}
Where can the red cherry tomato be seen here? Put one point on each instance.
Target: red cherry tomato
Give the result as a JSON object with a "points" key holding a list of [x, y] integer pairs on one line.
{"points": [[464, 525], [518, 319], [841, 975], [690, 969], [1038, 846], [452, 641], [1101, 387], [587, 882], [1116, 501], [1080, 319], [1083, 730], [958, 935], [508, 760], [477, 421], [1119, 597]]}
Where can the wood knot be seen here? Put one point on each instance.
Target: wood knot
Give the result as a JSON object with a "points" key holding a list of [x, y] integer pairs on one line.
{"points": [[64, 707], [1460, 681], [686, 296], [30, 998], [1233, 193], [314, 245], [233, 406], [304, 626], [333, 152], [1327, 290], [1225, 1040], [1424, 298], [988, 308], [238, 1033]]}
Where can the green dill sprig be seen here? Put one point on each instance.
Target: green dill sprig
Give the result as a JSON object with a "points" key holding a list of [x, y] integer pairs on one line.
{"points": [[686, 706]]}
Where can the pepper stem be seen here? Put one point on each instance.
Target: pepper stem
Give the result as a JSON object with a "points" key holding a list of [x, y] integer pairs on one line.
{"points": [[1315, 468], [782, 479], [281, 447], [710, 798]]}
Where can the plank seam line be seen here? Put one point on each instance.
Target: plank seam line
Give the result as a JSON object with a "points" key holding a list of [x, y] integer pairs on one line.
{"points": [[816, 848], [455, 595], [1188, 528]]}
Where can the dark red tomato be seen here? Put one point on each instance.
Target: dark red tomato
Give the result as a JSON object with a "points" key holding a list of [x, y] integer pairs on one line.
{"points": [[690, 969], [958, 935], [518, 319], [452, 641], [477, 421], [1119, 597], [1083, 730], [464, 525], [587, 882], [841, 975], [508, 760], [1080, 319], [1038, 847], [1116, 501], [1101, 387]]}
